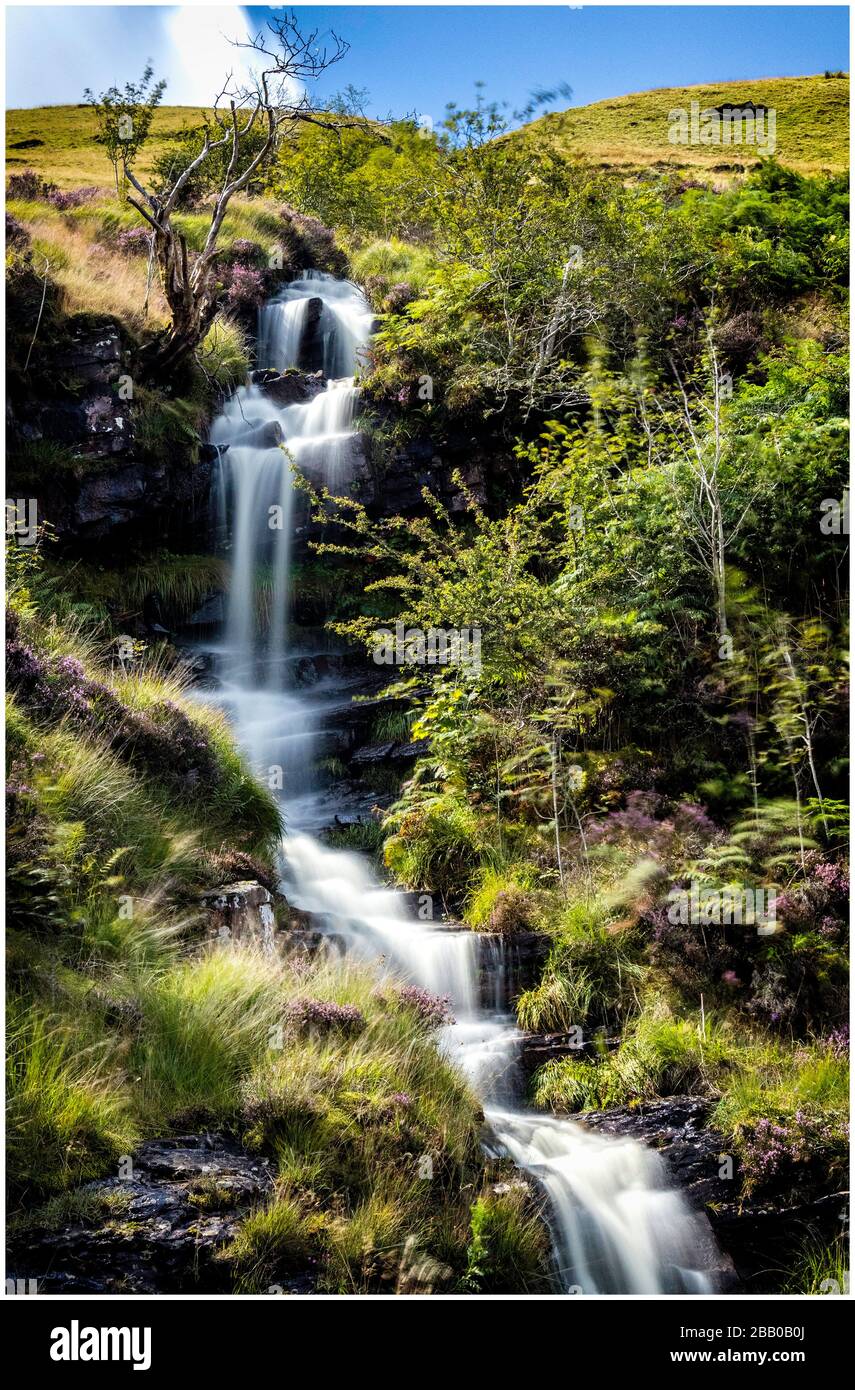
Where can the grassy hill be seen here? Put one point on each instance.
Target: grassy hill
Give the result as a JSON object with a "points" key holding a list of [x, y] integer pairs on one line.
{"points": [[631, 132], [59, 142], [628, 132]]}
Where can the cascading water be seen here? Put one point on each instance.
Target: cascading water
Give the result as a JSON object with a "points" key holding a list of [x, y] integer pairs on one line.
{"points": [[618, 1226]]}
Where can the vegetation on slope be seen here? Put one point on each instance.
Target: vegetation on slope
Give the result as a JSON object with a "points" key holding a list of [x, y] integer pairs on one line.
{"points": [[660, 702], [631, 132]]}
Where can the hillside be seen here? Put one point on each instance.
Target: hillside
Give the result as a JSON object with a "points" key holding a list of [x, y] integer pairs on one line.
{"points": [[577, 432], [59, 142], [812, 116], [626, 132]]}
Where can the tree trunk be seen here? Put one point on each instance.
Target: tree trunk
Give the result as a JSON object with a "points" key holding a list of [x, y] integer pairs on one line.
{"points": [[192, 300]]}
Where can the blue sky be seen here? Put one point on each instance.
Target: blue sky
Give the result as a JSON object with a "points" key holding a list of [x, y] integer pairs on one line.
{"points": [[416, 59]]}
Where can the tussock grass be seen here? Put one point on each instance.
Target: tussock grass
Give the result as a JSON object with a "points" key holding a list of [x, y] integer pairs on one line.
{"points": [[67, 1113], [509, 1245], [660, 1056], [271, 1242], [592, 975], [383, 264]]}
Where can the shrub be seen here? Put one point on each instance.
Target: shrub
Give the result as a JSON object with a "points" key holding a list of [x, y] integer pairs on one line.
{"points": [[134, 241], [322, 1016], [433, 1010], [29, 187], [308, 244], [224, 355], [509, 1244]]}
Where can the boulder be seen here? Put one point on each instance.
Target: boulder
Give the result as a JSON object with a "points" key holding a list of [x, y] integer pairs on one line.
{"points": [[95, 355], [259, 434], [240, 912], [289, 388]]}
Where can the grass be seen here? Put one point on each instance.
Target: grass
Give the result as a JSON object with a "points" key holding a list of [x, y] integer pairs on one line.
{"points": [[386, 263], [68, 1116], [508, 1245], [205, 1022], [86, 1207], [61, 143], [438, 846], [821, 1268], [591, 978], [182, 583], [631, 132], [660, 1056], [91, 278], [271, 1242], [503, 898]]}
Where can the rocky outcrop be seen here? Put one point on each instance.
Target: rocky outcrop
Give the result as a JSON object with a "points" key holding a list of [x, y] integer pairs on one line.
{"points": [[240, 912], [161, 1227], [77, 454], [760, 1234]]}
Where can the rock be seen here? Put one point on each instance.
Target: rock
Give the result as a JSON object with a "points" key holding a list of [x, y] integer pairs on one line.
{"points": [[393, 751], [289, 388], [259, 434], [161, 1226], [211, 614], [95, 427], [759, 1235], [539, 1048], [95, 357], [311, 353], [240, 912]]}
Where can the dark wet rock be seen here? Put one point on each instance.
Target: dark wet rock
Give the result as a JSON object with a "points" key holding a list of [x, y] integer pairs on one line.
{"points": [[760, 1234], [211, 613], [393, 751], [162, 1226], [539, 1048], [311, 352], [95, 356], [289, 388]]}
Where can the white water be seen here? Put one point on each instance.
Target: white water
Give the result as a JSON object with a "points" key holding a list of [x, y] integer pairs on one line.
{"points": [[618, 1226]]}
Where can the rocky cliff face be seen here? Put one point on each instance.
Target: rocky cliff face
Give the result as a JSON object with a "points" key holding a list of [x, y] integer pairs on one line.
{"points": [[77, 453]]}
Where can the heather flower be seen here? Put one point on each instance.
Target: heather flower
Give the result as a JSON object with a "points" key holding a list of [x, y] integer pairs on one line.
{"points": [[242, 249], [246, 286], [432, 1009], [64, 199], [136, 241], [324, 1016]]}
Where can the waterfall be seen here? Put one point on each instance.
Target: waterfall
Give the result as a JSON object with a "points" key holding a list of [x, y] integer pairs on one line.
{"points": [[618, 1225]]}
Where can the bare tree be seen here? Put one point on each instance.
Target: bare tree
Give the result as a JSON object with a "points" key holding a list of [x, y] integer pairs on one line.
{"points": [[274, 101]]}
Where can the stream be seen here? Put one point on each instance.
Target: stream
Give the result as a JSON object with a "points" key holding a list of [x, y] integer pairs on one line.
{"points": [[618, 1225]]}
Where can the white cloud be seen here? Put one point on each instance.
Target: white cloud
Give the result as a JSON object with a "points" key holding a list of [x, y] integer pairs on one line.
{"points": [[55, 52]]}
